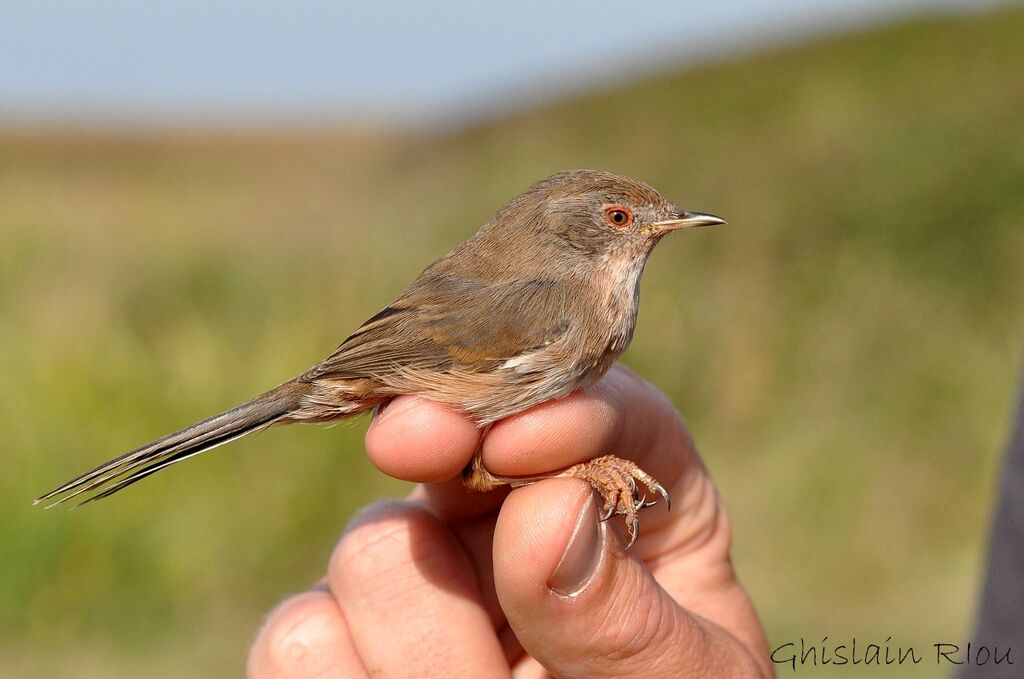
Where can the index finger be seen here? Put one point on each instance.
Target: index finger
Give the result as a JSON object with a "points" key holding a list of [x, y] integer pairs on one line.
{"points": [[621, 414]]}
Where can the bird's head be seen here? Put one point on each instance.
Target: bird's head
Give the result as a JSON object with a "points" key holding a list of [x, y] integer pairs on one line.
{"points": [[594, 213]]}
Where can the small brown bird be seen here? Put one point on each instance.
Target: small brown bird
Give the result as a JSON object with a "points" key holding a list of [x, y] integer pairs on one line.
{"points": [[539, 303]]}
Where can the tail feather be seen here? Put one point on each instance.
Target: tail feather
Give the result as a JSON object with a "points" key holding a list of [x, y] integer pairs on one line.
{"points": [[135, 465]]}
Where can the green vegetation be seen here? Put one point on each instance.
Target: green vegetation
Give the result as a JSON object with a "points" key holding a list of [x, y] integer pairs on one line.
{"points": [[846, 350]]}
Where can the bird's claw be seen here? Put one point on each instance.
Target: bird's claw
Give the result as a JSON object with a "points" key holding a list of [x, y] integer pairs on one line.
{"points": [[660, 490], [619, 483], [633, 527], [644, 503]]}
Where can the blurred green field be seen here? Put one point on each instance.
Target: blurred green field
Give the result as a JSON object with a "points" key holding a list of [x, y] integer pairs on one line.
{"points": [[846, 350]]}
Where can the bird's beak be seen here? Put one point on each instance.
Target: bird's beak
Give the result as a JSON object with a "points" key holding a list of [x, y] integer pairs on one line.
{"points": [[685, 220]]}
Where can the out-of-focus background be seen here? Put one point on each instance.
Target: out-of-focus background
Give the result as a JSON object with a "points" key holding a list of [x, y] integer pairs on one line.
{"points": [[200, 200]]}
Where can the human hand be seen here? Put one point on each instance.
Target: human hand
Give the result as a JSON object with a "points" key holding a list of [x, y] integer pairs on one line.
{"points": [[458, 584]]}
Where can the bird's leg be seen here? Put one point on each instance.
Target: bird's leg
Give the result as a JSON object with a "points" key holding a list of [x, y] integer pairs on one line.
{"points": [[617, 481], [476, 477]]}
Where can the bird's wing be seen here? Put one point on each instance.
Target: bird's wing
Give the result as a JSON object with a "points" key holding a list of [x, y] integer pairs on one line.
{"points": [[449, 322]]}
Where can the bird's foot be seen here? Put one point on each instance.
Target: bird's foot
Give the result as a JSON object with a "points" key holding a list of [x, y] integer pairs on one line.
{"points": [[625, 489]]}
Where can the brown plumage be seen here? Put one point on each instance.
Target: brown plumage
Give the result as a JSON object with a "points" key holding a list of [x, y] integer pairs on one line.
{"points": [[538, 303]]}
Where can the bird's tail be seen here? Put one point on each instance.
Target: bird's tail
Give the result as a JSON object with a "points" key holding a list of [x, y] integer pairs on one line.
{"points": [[110, 477]]}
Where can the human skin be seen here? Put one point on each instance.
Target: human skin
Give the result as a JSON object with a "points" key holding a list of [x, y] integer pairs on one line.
{"points": [[526, 583]]}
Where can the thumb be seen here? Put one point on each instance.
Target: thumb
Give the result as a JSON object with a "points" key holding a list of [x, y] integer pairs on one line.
{"points": [[584, 608]]}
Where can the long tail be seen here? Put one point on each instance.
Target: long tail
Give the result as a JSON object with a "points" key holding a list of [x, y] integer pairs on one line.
{"points": [[110, 477]]}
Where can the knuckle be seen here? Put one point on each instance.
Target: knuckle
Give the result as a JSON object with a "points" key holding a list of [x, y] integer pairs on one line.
{"points": [[300, 633], [378, 540], [629, 636], [395, 554], [629, 641], [709, 530]]}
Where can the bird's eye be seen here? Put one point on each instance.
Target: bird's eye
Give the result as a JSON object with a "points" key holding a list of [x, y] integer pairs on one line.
{"points": [[618, 216]]}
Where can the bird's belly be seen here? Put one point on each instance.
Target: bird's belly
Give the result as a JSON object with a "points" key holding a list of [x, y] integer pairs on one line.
{"points": [[541, 375], [509, 387]]}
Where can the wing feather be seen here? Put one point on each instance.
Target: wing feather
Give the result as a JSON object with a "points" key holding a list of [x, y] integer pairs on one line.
{"points": [[452, 323]]}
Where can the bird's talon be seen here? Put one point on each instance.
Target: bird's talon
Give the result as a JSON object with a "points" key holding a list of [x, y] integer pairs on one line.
{"points": [[633, 526], [664, 493], [644, 503]]}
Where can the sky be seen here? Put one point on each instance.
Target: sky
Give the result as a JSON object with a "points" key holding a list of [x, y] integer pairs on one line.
{"points": [[404, 60]]}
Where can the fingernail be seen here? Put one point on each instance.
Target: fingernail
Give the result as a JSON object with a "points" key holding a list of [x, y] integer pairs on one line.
{"points": [[582, 555], [394, 406], [381, 407]]}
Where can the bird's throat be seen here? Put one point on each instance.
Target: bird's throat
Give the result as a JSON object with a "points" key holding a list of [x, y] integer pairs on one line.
{"points": [[618, 280]]}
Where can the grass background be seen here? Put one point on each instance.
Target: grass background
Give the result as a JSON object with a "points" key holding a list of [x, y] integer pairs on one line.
{"points": [[846, 351]]}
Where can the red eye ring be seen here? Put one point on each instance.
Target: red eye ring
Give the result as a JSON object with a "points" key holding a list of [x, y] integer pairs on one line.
{"points": [[618, 216]]}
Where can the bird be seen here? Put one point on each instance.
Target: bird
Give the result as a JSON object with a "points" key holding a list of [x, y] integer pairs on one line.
{"points": [[538, 303]]}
